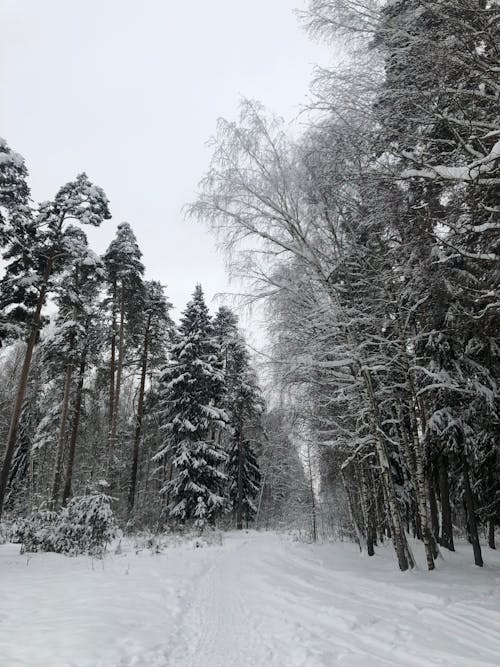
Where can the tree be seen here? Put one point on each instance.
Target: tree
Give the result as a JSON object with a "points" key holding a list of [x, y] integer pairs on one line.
{"points": [[80, 201], [124, 268], [243, 404], [192, 388], [156, 329]]}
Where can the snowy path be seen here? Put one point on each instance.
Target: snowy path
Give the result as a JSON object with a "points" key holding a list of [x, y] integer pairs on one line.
{"points": [[257, 601]]}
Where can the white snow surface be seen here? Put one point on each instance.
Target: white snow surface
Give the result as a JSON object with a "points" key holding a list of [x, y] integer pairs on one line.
{"points": [[259, 600]]}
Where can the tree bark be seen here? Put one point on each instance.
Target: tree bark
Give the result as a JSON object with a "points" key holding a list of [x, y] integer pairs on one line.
{"points": [[239, 481], [112, 365], [23, 382], [119, 369], [61, 438], [401, 546], [471, 516], [366, 511], [74, 428], [491, 534], [138, 423], [433, 509], [311, 491], [446, 538]]}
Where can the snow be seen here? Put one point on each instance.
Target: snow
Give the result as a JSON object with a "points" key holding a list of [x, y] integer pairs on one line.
{"points": [[257, 600]]}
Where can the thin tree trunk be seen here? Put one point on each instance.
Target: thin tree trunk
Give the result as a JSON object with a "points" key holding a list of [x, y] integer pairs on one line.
{"points": [[239, 481], [471, 516], [364, 496], [74, 427], [433, 508], [446, 538], [401, 546], [138, 423], [23, 383], [61, 438], [350, 505], [116, 400], [491, 534], [112, 366], [311, 491]]}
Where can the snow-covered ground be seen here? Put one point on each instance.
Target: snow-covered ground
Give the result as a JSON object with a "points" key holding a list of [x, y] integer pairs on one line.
{"points": [[259, 600]]}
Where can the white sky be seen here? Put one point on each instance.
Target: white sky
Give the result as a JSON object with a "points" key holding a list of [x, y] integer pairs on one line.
{"points": [[129, 91]]}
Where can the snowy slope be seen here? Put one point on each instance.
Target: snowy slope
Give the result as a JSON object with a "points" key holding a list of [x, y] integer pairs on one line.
{"points": [[257, 601]]}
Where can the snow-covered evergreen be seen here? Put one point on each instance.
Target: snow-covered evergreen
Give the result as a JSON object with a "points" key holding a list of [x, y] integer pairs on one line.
{"points": [[192, 388]]}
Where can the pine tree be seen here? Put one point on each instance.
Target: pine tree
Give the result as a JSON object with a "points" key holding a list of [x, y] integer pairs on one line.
{"points": [[124, 269], [18, 236], [76, 290], [79, 201], [192, 389]]}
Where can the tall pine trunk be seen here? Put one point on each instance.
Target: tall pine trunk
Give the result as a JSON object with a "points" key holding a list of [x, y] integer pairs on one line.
{"points": [[74, 427], [23, 382], [119, 370], [61, 437], [112, 369], [138, 423]]}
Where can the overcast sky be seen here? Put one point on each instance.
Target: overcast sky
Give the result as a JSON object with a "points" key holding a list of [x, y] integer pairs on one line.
{"points": [[129, 91]]}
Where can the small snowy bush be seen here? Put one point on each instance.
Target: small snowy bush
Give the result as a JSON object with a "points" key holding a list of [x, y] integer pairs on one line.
{"points": [[86, 526], [37, 532]]}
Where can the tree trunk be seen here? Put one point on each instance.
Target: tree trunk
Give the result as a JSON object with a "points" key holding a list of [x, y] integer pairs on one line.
{"points": [[119, 369], [350, 504], [61, 438], [401, 546], [23, 383], [471, 516], [491, 534], [365, 506], [433, 509], [112, 363], [311, 491], [446, 538], [74, 427], [138, 423], [239, 498]]}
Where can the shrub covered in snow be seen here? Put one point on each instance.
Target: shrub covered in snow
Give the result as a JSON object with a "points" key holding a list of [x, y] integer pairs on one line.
{"points": [[37, 532], [87, 525]]}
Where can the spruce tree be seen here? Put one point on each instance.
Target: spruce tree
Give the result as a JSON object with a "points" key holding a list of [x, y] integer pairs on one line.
{"points": [[192, 389], [243, 403]]}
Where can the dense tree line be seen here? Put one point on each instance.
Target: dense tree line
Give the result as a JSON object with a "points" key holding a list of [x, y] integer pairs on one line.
{"points": [[374, 238], [101, 392]]}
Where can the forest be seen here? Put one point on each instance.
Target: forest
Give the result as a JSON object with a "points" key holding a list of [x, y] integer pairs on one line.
{"points": [[371, 243]]}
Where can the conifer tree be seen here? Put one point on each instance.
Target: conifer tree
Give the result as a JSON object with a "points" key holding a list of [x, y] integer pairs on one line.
{"points": [[79, 201], [192, 389], [76, 291], [243, 404], [124, 269], [17, 241], [156, 329]]}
